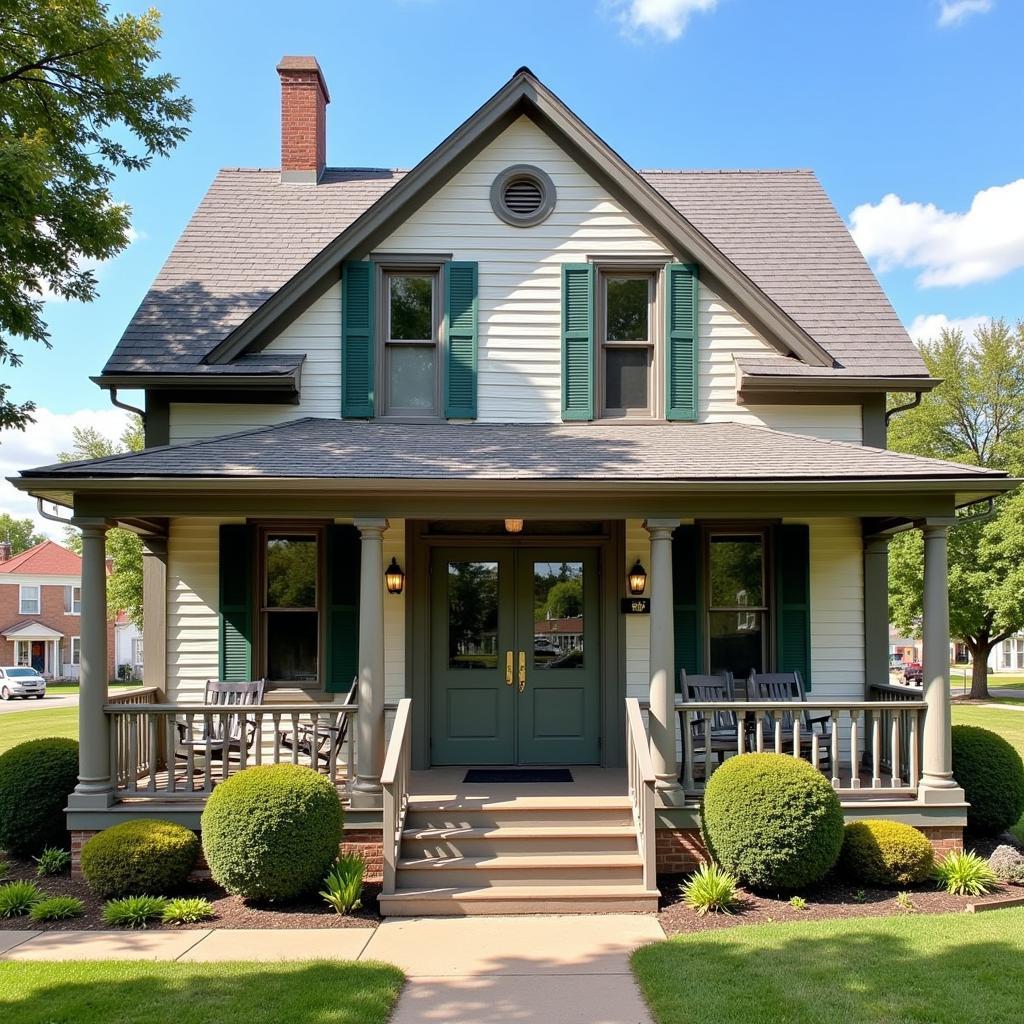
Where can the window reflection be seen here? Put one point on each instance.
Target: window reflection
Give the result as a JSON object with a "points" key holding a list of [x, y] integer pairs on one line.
{"points": [[558, 615], [472, 615]]}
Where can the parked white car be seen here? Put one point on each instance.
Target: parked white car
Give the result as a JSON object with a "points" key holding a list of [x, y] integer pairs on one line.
{"points": [[21, 681]]}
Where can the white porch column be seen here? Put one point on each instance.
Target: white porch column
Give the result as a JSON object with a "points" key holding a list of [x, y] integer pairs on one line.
{"points": [[937, 783], [370, 749], [662, 716], [154, 612], [95, 788]]}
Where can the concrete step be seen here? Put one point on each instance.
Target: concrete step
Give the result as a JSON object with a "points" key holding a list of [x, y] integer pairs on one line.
{"points": [[465, 901], [512, 840], [534, 870], [522, 812]]}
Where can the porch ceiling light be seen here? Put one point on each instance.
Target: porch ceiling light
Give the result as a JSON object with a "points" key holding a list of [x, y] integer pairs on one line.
{"points": [[637, 579], [394, 577], [513, 526]]}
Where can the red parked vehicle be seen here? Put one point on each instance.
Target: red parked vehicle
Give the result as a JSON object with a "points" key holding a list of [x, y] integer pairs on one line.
{"points": [[912, 672]]}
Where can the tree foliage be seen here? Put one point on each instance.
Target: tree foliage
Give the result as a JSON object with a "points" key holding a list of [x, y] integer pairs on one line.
{"points": [[124, 584], [20, 532], [976, 416], [77, 104]]}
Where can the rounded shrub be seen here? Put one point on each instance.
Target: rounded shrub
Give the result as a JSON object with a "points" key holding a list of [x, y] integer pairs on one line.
{"points": [[886, 853], [992, 776], [272, 832], [145, 857], [772, 821], [36, 779]]}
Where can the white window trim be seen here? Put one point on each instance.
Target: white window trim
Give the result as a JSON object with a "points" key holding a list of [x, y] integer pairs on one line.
{"points": [[18, 658], [22, 587], [76, 650], [72, 610]]}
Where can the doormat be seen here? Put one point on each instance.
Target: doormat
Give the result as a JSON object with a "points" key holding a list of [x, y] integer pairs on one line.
{"points": [[518, 775]]}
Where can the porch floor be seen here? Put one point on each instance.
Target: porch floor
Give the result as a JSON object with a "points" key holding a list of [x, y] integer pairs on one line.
{"points": [[448, 784]]}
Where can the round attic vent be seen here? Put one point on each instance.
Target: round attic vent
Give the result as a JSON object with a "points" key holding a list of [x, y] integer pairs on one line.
{"points": [[522, 195]]}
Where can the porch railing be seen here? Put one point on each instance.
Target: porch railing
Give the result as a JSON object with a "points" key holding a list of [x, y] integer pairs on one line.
{"points": [[641, 781], [896, 725], [181, 751], [394, 782], [859, 745]]}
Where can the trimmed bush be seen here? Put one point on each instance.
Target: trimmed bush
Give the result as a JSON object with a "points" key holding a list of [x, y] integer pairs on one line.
{"points": [[137, 857], [272, 832], [886, 853], [991, 773], [36, 779], [772, 821]]}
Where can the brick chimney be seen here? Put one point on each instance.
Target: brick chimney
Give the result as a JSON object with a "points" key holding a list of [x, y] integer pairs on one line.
{"points": [[5, 550], [304, 99]]}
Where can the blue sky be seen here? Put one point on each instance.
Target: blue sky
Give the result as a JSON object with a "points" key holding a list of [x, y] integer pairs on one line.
{"points": [[915, 100]]}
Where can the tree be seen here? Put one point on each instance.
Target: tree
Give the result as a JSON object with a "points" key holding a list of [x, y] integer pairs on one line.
{"points": [[124, 584], [20, 532], [77, 105], [975, 416]]}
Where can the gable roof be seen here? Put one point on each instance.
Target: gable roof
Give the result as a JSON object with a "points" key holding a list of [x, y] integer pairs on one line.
{"points": [[257, 250], [46, 559]]}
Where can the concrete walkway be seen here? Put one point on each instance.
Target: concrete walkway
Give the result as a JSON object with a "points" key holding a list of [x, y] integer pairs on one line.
{"points": [[476, 970]]}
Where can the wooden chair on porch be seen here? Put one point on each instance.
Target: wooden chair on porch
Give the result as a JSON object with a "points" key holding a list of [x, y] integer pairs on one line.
{"points": [[788, 687], [326, 740], [220, 736], [715, 733]]}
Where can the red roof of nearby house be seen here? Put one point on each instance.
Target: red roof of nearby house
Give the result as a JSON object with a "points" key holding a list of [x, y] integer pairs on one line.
{"points": [[569, 625], [46, 559]]}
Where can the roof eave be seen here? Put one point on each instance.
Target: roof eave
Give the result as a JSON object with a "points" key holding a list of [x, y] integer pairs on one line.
{"points": [[760, 384]]}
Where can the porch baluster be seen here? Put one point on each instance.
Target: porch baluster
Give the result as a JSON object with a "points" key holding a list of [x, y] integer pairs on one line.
{"points": [[913, 754], [854, 750], [741, 738], [688, 744], [778, 733], [796, 735], [190, 756], [258, 749], [153, 747], [759, 732], [833, 720], [133, 752], [225, 746], [208, 760], [277, 736], [894, 760], [295, 738], [814, 749], [169, 759], [876, 750]]}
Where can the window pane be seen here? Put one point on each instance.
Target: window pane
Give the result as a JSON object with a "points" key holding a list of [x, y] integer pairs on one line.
{"points": [[29, 599], [736, 642], [736, 565], [292, 646], [627, 308], [472, 615], [412, 377], [412, 308], [291, 572], [558, 615], [626, 378]]}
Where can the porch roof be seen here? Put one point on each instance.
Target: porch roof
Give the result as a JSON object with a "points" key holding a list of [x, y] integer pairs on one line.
{"points": [[317, 448], [30, 629]]}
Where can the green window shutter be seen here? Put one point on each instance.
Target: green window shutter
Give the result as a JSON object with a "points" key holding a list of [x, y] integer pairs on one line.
{"points": [[461, 320], [236, 626], [357, 339], [342, 603], [686, 600], [793, 600], [681, 342], [577, 341]]}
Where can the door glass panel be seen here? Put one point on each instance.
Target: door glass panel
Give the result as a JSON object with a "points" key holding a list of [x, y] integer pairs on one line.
{"points": [[558, 615], [737, 642], [736, 565], [472, 615]]}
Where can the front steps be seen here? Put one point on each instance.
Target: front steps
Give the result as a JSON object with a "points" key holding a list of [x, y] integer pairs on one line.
{"points": [[525, 855]]}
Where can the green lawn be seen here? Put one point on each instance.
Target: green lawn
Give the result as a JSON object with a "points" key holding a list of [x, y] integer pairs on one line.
{"points": [[62, 690], [18, 726], [892, 970], [230, 993]]}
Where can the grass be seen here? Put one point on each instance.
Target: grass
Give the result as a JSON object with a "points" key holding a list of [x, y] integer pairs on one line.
{"points": [[132, 992], [1009, 725], [890, 970], [18, 726]]}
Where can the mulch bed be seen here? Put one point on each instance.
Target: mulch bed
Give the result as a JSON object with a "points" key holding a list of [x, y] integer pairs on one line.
{"points": [[231, 911]]}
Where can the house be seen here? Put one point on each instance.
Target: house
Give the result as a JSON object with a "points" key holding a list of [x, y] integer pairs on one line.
{"points": [[127, 648], [388, 412], [41, 611]]}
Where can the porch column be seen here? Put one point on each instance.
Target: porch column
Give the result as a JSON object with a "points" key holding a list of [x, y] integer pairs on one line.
{"points": [[154, 612], [370, 749], [95, 788], [937, 783], [662, 716]]}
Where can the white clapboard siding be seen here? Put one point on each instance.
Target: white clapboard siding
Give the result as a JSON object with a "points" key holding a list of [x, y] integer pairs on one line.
{"points": [[193, 590], [519, 356]]}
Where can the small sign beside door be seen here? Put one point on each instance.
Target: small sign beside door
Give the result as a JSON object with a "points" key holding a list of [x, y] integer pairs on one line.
{"points": [[636, 606]]}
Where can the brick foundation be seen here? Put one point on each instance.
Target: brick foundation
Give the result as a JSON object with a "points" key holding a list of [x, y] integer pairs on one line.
{"points": [[78, 840], [944, 838], [678, 850], [369, 843]]}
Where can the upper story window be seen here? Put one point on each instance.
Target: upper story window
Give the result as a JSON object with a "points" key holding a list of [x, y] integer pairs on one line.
{"points": [[411, 364], [72, 600], [290, 612], [627, 350], [29, 599]]}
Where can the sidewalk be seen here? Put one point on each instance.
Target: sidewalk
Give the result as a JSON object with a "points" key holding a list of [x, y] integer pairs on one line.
{"points": [[476, 970]]}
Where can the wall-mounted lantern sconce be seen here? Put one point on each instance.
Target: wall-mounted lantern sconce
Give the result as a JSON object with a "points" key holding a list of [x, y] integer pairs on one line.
{"points": [[637, 579], [513, 526], [394, 577]]}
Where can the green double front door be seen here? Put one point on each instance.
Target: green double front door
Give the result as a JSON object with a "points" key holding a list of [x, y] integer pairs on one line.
{"points": [[515, 676]]}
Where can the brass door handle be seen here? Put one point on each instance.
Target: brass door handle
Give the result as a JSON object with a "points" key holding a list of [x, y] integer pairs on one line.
{"points": [[508, 668], [522, 671]]}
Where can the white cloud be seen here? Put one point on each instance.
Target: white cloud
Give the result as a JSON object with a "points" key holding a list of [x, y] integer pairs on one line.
{"points": [[664, 19], [928, 326], [38, 445], [981, 244], [953, 12]]}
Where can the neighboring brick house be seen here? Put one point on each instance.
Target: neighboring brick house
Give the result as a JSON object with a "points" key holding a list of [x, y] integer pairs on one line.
{"points": [[40, 610]]}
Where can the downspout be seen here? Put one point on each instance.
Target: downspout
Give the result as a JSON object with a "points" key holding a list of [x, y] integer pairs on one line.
{"points": [[49, 515], [889, 413], [141, 413]]}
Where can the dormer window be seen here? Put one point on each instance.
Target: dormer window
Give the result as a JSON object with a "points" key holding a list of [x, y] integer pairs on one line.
{"points": [[411, 332], [626, 343]]}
